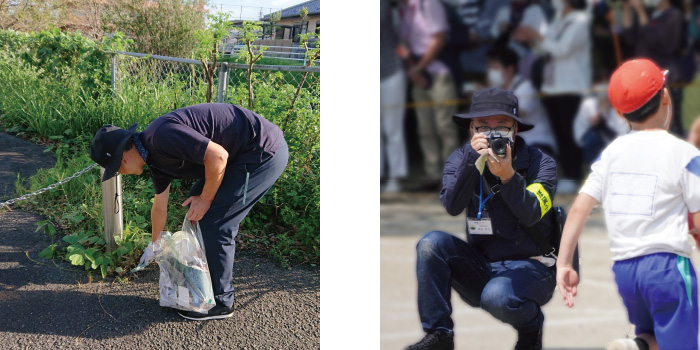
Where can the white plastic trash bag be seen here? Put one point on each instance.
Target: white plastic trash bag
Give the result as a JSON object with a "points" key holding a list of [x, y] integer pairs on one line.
{"points": [[185, 283]]}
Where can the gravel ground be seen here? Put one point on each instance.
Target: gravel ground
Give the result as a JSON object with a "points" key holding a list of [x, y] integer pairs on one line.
{"points": [[48, 304]]}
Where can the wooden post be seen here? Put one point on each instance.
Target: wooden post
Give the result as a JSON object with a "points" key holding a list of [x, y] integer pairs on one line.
{"points": [[112, 209]]}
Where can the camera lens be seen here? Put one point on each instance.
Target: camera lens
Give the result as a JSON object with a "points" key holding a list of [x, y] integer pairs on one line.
{"points": [[500, 146]]}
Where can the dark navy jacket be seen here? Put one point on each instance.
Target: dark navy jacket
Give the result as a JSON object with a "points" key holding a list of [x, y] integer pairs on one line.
{"points": [[535, 174]]}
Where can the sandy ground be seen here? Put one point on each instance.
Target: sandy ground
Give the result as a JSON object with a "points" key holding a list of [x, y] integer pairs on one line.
{"points": [[597, 317]]}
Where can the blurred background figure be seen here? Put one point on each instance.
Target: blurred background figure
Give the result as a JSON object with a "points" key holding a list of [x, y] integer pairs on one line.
{"points": [[565, 69], [474, 19], [597, 124], [503, 74], [424, 30], [694, 28], [658, 31], [520, 13], [392, 101]]}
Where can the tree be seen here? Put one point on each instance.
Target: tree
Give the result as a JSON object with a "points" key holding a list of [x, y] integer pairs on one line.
{"points": [[164, 27], [207, 50], [29, 15], [250, 56], [275, 17], [311, 54]]}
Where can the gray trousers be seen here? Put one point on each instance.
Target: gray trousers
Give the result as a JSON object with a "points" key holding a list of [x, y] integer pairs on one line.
{"points": [[438, 134], [220, 223]]}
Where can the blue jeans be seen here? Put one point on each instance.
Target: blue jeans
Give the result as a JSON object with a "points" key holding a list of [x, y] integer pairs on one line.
{"points": [[512, 290]]}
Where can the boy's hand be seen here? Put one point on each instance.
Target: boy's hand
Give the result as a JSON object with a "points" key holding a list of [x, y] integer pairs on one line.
{"points": [[567, 280]]}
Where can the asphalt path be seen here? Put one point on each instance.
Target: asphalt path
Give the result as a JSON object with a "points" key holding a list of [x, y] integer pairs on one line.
{"points": [[47, 304]]}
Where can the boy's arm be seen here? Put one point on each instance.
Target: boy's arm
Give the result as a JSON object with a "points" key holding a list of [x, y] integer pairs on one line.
{"points": [[567, 278], [696, 219]]}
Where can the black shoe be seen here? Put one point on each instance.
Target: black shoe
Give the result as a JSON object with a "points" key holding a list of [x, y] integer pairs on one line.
{"points": [[434, 341], [215, 313], [529, 339]]}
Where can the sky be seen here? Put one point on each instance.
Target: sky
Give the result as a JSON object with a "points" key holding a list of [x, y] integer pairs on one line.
{"points": [[250, 9]]}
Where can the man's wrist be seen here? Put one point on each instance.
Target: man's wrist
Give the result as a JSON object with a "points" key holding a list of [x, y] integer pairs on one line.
{"points": [[206, 198], [507, 179]]}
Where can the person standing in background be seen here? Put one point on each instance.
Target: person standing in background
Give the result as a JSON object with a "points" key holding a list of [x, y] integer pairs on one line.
{"points": [[503, 74], [597, 124], [392, 100], [520, 12], [424, 30], [566, 76], [477, 17], [658, 34]]}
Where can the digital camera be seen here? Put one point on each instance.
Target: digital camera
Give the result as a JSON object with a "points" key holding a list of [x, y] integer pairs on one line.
{"points": [[499, 144]]}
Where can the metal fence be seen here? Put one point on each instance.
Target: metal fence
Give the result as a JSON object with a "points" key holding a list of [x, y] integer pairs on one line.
{"points": [[182, 82], [288, 53], [171, 83]]}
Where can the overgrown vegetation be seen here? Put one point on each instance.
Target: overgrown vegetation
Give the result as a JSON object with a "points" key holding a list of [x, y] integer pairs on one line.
{"points": [[57, 91], [163, 27]]}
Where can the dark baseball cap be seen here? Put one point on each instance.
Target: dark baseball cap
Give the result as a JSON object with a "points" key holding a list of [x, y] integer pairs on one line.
{"points": [[490, 102], [108, 146]]}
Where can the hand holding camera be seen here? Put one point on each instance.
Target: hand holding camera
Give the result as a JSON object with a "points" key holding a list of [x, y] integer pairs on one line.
{"points": [[498, 149]]}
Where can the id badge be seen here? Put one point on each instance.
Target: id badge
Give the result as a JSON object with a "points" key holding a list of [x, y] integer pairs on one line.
{"points": [[480, 227]]}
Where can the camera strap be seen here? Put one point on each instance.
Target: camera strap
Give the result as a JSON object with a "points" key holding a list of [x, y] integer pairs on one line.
{"points": [[481, 196]]}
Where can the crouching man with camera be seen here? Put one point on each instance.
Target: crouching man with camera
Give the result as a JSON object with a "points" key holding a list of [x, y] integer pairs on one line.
{"points": [[506, 188]]}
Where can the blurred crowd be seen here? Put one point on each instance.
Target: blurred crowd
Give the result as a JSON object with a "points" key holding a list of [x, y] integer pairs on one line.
{"points": [[555, 55]]}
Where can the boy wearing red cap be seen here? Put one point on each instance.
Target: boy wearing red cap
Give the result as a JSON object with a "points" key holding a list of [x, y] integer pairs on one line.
{"points": [[646, 181]]}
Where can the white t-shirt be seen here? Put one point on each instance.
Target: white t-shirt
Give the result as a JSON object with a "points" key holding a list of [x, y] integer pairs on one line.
{"points": [[568, 43], [647, 181]]}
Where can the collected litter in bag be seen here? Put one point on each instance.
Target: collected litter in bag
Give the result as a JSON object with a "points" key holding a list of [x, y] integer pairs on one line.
{"points": [[185, 283]]}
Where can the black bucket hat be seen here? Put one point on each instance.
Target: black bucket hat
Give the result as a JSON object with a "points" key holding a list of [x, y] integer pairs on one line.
{"points": [[108, 146], [489, 102]]}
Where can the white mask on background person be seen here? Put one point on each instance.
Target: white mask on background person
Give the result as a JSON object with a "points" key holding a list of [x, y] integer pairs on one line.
{"points": [[495, 78]]}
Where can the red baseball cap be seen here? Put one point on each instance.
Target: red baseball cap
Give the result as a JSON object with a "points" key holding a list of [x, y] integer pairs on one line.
{"points": [[634, 83]]}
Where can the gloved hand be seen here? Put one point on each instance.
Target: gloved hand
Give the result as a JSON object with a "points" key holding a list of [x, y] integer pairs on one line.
{"points": [[147, 257]]}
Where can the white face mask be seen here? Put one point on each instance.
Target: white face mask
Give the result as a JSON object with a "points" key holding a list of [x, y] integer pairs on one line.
{"points": [[495, 78], [652, 3], [509, 135]]}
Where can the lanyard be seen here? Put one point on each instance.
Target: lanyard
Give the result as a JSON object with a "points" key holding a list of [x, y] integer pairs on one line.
{"points": [[482, 202]]}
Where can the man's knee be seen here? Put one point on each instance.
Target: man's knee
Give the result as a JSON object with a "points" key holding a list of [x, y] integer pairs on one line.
{"points": [[431, 244], [498, 300]]}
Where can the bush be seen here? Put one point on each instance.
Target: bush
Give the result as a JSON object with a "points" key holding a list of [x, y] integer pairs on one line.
{"points": [[165, 27]]}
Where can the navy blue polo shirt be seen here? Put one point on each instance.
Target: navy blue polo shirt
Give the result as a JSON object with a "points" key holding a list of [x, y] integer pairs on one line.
{"points": [[176, 142]]}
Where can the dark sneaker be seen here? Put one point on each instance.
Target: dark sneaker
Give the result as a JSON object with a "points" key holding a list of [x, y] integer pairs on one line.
{"points": [[434, 341], [215, 313], [530, 339]]}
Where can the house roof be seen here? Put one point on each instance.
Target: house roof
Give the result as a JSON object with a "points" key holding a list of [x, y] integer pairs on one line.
{"points": [[314, 7]]}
